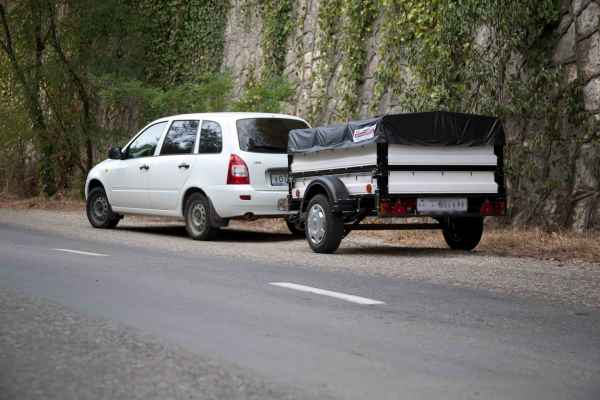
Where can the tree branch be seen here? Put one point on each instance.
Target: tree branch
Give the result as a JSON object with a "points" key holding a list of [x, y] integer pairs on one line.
{"points": [[86, 123], [7, 42]]}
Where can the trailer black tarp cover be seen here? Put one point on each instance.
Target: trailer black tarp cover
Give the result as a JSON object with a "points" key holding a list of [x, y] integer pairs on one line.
{"points": [[438, 128]]}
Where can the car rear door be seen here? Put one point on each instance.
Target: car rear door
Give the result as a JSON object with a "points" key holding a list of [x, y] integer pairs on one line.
{"points": [[127, 178], [171, 169], [263, 146]]}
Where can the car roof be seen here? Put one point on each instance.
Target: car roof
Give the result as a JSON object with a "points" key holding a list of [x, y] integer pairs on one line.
{"points": [[230, 115]]}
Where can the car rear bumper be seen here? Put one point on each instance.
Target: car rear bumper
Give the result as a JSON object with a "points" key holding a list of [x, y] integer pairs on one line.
{"points": [[240, 200]]}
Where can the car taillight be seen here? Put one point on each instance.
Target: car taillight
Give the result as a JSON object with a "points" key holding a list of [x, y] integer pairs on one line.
{"points": [[237, 172]]}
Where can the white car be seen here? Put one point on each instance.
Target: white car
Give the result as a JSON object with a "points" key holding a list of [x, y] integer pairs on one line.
{"points": [[204, 168]]}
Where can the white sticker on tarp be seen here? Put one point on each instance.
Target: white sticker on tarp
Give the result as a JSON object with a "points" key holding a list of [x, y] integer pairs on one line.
{"points": [[362, 134]]}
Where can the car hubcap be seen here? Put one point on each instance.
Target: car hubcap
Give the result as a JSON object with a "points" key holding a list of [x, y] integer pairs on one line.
{"points": [[199, 216], [316, 223], [100, 208]]}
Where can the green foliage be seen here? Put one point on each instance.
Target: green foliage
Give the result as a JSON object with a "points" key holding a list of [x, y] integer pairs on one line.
{"points": [[118, 61], [327, 41], [359, 17], [277, 25], [271, 90], [461, 53], [16, 137], [265, 96], [209, 93], [184, 38]]}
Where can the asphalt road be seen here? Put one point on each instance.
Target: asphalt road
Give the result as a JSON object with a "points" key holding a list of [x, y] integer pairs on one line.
{"points": [[230, 333]]}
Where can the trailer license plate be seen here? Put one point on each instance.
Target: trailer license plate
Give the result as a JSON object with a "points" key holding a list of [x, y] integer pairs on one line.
{"points": [[280, 179], [441, 205]]}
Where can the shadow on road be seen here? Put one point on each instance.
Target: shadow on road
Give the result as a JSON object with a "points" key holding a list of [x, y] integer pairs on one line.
{"points": [[224, 235], [234, 235], [402, 251]]}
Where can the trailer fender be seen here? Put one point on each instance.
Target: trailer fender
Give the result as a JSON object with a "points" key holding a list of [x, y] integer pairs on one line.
{"points": [[335, 190]]}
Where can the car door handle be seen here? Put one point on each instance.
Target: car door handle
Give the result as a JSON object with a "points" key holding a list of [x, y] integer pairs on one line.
{"points": [[183, 165], [145, 166]]}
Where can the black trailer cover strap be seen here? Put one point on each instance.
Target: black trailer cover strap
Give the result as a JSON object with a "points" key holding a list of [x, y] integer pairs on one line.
{"points": [[438, 128]]}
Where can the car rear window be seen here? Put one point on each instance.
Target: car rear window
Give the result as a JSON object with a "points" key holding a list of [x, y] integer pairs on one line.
{"points": [[266, 135]]}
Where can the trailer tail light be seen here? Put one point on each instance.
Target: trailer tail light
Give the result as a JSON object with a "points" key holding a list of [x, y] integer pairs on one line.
{"points": [[500, 207], [405, 206], [237, 172], [487, 208], [399, 208], [494, 207]]}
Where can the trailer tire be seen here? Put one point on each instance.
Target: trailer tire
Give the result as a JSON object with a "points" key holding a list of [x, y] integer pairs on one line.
{"points": [[324, 229], [463, 233]]}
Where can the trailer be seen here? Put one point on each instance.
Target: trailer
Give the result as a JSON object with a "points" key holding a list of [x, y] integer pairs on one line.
{"points": [[437, 170]]}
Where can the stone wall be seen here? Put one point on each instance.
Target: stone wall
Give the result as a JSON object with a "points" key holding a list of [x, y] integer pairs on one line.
{"points": [[578, 50], [564, 192]]}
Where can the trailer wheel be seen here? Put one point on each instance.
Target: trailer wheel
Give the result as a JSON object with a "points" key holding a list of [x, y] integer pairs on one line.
{"points": [[463, 233], [324, 229]]}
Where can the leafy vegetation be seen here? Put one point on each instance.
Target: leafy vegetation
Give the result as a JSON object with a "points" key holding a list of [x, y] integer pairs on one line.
{"points": [[360, 16], [327, 44], [463, 55], [277, 25], [77, 75], [264, 96]]}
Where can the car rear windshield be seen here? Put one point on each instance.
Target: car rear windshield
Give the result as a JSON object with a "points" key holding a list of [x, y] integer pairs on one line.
{"points": [[266, 135]]}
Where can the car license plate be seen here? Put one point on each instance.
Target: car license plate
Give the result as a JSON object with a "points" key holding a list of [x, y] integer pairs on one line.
{"points": [[441, 205], [280, 179]]}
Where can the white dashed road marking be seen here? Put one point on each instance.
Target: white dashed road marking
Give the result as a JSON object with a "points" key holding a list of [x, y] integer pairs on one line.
{"points": [[83, 253], [323, 292]]}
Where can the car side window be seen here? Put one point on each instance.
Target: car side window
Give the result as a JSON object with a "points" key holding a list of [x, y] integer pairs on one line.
{"points": [[145, 144], [180, 138], [211, 138]]}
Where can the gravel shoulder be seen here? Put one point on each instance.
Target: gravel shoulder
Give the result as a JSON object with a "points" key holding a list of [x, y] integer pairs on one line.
{"points": [[50, 352], [571, 282]]}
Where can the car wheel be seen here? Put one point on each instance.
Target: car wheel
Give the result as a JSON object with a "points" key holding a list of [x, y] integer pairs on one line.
{"points": [[99, 211], [463, 233], [197, 218], [296, 228], [324, 229]]}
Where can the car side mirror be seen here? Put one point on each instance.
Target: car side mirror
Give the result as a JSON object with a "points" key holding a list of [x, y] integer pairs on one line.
{"points": [[115, 153]]}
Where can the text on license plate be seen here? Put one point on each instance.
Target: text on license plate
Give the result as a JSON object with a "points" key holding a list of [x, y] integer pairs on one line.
{"points": [[441, 205], [279, 179]]}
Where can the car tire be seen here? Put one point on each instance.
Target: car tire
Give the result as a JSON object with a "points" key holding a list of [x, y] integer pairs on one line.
{"points": [[463, 233], [324, 229], [198, 217], [295, 228], [98, 210]]}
